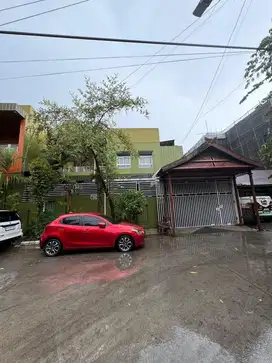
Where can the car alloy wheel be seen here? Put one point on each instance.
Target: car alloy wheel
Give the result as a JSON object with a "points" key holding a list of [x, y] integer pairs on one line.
{"points": [[125, 243], [52, 248]]}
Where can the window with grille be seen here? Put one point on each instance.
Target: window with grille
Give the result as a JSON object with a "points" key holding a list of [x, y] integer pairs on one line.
{"points": [[50, 205], [145, 161], [123, 161]]}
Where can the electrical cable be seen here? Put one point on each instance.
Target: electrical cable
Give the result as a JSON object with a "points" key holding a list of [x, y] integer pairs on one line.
{"points": [[162, 48], [106, 68], [130, 41], [223, 99], [22, 5], [233, 38], [45, 12], [188, 36], [8, 61], [214, 76]]}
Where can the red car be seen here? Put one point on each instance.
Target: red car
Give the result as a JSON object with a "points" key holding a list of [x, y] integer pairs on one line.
{"points": [[89, 230]]}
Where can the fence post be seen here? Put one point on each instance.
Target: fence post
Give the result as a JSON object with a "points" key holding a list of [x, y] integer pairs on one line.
{"points": [[172, 205]]}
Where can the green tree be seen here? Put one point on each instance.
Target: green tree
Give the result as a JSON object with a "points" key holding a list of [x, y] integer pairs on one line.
{"points": [[7, 160], [13, 201], [42, 180], [259, 67], [130, 205], [34, 145], [86, 133], [266, 153]]}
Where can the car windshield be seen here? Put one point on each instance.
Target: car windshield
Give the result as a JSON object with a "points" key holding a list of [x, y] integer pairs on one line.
{"points": [[108, 219]]}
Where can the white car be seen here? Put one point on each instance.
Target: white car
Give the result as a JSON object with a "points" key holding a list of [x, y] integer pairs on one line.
{"points": [[10, 226]]}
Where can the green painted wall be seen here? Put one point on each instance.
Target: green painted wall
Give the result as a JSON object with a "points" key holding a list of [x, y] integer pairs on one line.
{"points": [[147, 139], [84, 204]]}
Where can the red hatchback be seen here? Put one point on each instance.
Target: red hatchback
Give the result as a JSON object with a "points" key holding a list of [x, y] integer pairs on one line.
{"points": [[89, 230]]}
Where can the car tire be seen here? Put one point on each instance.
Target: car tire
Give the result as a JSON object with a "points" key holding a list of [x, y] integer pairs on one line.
{"points": [[52, 247], [125, 243]]}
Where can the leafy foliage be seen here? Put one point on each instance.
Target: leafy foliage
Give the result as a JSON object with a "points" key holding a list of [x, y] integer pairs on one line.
{"points": [[86, 133], [34, 145], [37, 226], [130, 205], [266, 153], [42, 180], [7, 160], [13, 201], [259, 68]]}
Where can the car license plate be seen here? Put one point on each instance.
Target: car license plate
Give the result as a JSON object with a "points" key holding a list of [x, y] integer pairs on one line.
{"points": [[9, 228]]}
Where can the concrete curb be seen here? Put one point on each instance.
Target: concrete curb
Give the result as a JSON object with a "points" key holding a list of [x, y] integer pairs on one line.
{"points": [[29, 243]]}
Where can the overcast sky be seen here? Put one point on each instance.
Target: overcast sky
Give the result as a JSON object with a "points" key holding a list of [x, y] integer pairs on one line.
{"points": [[174, 91]]}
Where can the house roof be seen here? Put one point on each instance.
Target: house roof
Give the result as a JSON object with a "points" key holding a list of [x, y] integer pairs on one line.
{"points": [[13, 107], [237, 159]]}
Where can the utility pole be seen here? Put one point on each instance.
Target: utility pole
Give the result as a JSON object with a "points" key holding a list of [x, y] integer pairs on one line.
{"points": [[201, 7]]}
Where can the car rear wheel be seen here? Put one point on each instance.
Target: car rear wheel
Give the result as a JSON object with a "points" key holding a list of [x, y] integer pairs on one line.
{"points": [[52, 247], [125, 243]]}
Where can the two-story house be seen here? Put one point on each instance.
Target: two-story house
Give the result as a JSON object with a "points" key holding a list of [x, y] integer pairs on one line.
{"points": [[152, 153]]}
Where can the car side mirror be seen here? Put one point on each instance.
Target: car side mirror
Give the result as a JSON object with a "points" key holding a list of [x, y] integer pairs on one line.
{"points": [[102, 225]]}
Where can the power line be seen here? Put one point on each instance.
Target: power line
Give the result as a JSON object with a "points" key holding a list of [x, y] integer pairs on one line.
{"points": [[223, 100], [105, 68], [21, 5], [45, 12], [130, 41], [9, 61], [162, 48], [233, 37], [214, 76], [188, 36]]}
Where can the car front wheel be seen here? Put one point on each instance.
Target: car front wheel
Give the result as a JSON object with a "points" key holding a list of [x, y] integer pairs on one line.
{"points": [[52, 247], [125, 243]]}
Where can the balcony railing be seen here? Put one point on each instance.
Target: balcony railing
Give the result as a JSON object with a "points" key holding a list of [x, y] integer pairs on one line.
{"points": [[77, 169]]}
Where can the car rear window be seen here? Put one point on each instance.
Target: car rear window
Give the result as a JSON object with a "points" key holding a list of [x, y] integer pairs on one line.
{"points": [[72, 221], [8, 216]]}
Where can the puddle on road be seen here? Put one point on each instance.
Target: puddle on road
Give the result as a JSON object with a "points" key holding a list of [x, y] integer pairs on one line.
{"points": [[189, 347]]}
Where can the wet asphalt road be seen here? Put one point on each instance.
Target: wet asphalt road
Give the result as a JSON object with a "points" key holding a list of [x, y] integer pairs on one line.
{"points": [[201, 298]]}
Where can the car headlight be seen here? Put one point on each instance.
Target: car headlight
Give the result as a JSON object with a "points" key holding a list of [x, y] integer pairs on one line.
{"points": [[138, 231]]}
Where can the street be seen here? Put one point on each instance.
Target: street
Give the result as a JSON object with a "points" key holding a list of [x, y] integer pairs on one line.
{"points": [[200, 298]]}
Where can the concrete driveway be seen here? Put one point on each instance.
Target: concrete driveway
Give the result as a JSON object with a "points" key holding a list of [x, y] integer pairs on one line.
{"points": [[201, 298]]}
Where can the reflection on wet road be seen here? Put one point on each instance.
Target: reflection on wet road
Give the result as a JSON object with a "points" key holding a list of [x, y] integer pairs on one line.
{"points": [[200, 298], [93, 271]]}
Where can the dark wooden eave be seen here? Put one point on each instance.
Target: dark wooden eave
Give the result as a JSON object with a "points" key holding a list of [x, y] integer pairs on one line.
{"points": [[210, 156]]}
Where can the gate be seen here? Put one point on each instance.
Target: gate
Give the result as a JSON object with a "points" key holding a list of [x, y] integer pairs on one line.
{"points": [[200, 203]]}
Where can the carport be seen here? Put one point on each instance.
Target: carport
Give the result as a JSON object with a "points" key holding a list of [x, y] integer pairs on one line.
{"points": [[200, 189]]}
